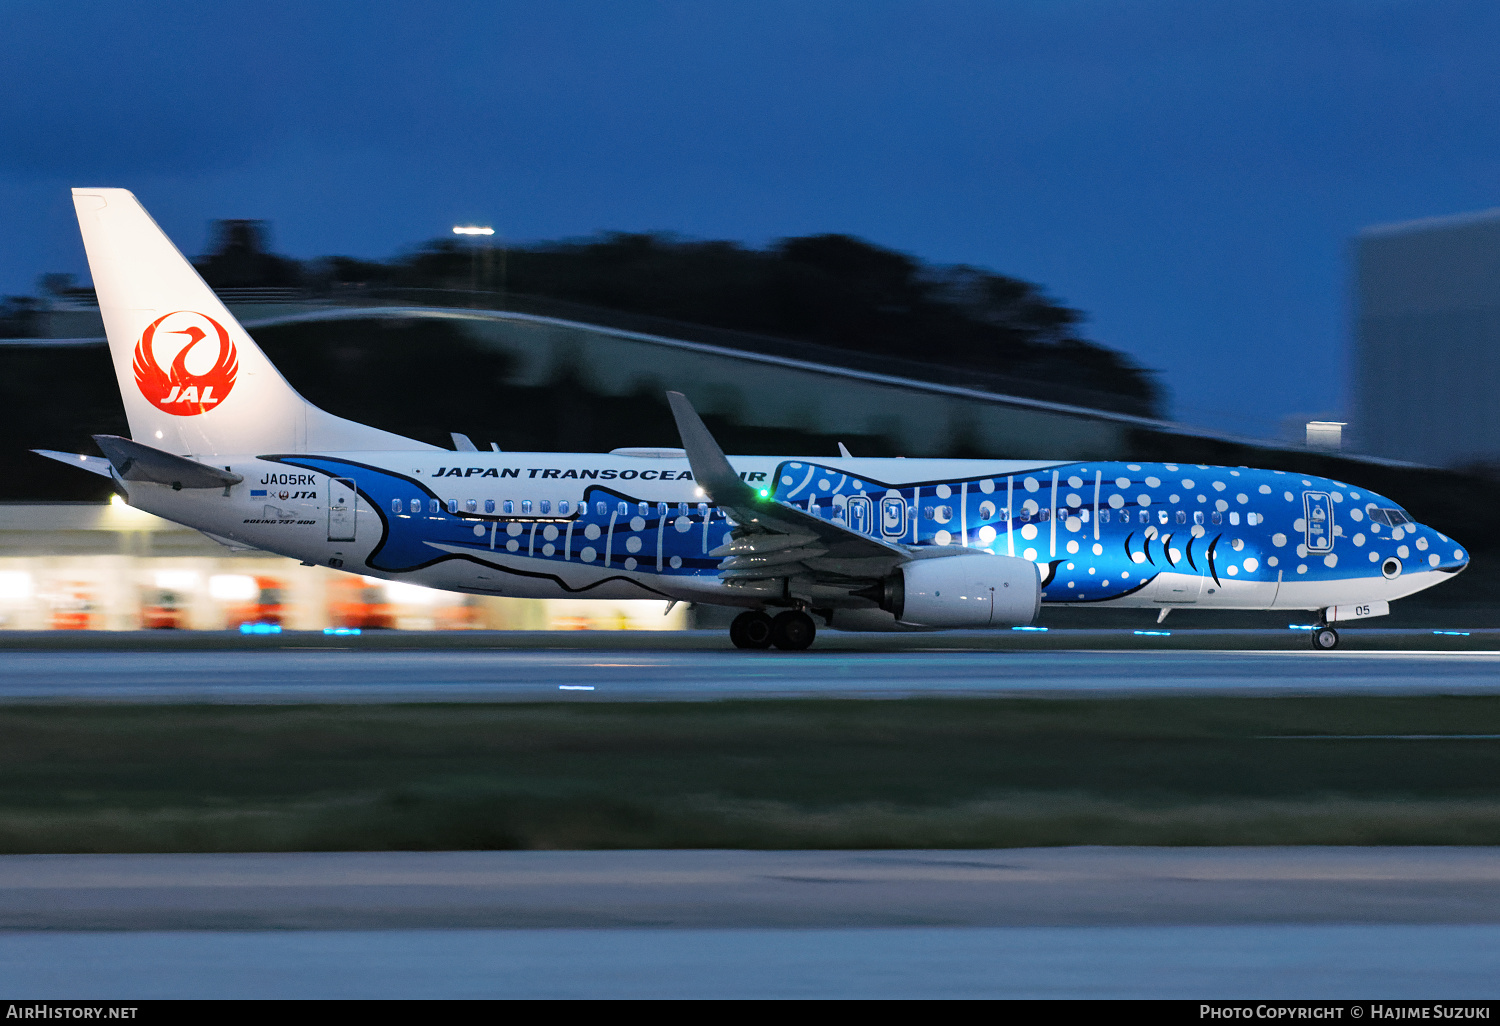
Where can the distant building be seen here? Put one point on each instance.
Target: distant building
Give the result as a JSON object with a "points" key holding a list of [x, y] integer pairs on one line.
{"points": [[1427, 340], [107, 566]]}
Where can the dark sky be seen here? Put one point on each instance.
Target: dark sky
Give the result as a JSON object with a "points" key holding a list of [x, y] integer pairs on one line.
{"points": [[1190, 174]]}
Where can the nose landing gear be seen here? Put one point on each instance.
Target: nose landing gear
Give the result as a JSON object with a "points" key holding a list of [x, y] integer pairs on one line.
{"points": [[1325, 638], [791, 631]]}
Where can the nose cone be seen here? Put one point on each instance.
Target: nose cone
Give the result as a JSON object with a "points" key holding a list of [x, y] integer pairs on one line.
{"points": [[1437, 552], [1447, 555]]}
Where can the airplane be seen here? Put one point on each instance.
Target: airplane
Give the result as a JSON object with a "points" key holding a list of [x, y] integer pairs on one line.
{"points": [[223, 444]]}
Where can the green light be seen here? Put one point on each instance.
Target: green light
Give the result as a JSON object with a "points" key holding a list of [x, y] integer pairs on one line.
{"points": [[764, 493]]}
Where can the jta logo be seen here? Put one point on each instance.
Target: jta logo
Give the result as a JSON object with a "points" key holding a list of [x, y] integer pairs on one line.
{"points": [[199, 377]]}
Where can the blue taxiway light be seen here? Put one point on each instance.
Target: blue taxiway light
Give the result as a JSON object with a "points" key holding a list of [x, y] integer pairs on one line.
{"points": [[260, 628], [341, 631], [1155, 634], [1301, 626], [1455, 634], [1028, 628]]}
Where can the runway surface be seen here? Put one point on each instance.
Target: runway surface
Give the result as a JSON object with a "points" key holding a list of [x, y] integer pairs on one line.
{"points": [[529, 675], [1451, 963], [1079, 922], [1084, 886]]}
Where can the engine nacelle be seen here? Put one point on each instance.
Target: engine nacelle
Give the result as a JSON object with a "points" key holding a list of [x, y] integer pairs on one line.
{"points": [[964, 591]]}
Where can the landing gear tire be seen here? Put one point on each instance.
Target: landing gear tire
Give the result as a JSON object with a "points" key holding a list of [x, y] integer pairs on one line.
{"points": [[793, 631], [1325, 638], [751, 630]]}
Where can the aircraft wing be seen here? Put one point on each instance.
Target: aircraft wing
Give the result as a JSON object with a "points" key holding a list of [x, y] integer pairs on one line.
{"points": [[771, 538]]}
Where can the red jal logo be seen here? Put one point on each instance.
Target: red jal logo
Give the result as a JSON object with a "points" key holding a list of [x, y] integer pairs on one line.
{"points": [[178, 390]]}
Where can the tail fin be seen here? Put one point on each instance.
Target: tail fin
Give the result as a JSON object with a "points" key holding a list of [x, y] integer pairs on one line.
{"points": [[192, 379]]}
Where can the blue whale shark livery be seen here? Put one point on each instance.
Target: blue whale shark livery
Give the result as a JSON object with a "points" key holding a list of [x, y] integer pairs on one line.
{"points": [[223, 444]]}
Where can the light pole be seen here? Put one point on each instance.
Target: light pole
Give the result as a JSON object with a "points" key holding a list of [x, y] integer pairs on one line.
{"points": [[473, 229]]}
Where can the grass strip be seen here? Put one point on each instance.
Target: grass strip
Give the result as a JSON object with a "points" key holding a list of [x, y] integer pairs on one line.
{"points": [[767, 774]]}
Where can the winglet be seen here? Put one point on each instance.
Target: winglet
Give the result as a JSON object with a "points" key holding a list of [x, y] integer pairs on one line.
{"points": [[844, 451], [461, 442], [711, 470]]}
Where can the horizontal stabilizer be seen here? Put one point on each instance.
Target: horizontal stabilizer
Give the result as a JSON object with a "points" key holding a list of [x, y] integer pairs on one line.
{"points": [[136, 462], [93, 464]]}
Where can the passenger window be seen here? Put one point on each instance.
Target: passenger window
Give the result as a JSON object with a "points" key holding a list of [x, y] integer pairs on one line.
{"points": [[1198, 517], [1161, 516], [643, 509], [452, 505], [1234, 520], [623, 509], [472, 505], [562, 507], [545, 505], [1104, 516], [1145, 517], [1182, 516], [395, 505], [1218, 518], [986, 510], [415, 506], [510, 506], [1043, 515], [489, 505], [927, 512], [1025, 517], [661, 509], [601, 508], [432, 505], [525, 506]]}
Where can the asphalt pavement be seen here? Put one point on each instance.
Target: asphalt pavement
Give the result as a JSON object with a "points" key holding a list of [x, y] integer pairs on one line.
{"points": [[1255, 923], [291, 675]]}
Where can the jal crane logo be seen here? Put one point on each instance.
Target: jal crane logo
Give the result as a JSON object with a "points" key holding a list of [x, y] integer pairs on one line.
{"points": [[202, 365]]}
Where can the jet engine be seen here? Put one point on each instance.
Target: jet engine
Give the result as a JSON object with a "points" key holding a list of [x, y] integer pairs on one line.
{"points": [[963, 591]]}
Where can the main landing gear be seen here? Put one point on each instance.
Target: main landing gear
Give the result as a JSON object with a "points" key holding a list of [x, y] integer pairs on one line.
{"points": [[791, 631]]}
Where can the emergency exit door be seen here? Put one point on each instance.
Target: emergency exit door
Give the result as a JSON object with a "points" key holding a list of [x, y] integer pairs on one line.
{"points": [[893, 516], [343, 506], [860, 513], [1318, 507]]}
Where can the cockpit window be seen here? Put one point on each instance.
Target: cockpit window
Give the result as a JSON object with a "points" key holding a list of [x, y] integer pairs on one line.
{"points": [[1395, 517]]}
